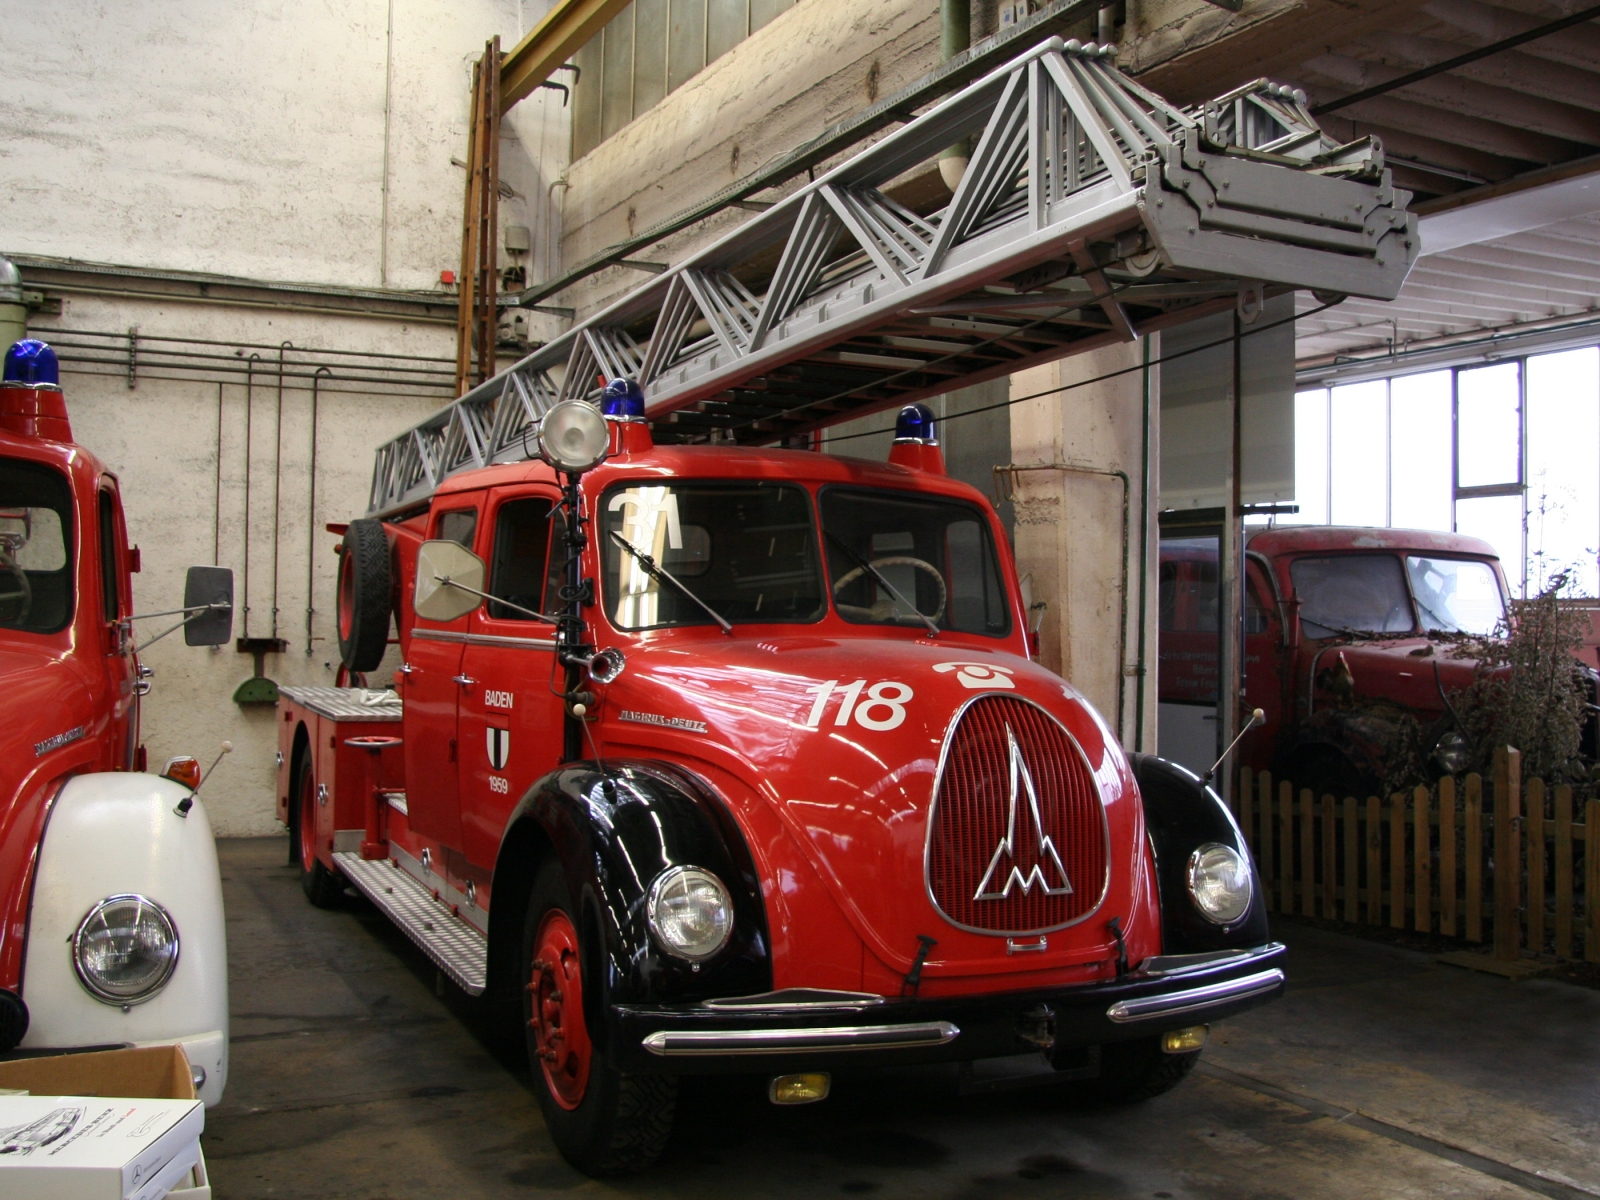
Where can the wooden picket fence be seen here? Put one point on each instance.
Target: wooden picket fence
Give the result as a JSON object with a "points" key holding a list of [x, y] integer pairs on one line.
{"points": [[1432, 861]]}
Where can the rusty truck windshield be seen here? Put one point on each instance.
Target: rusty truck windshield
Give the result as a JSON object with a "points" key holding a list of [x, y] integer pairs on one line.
{"points": [[1455, 595], [35, 547], [892, 552], [746, 551], [1352, 593]]}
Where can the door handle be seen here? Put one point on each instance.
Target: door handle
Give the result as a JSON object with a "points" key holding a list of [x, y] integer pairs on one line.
{"points": [[406, 668], [463, 680]]}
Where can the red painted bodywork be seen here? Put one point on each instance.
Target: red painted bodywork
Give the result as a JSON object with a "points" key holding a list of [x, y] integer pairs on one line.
{"points": [[80, 678], [1282, 662], [835, 816]]}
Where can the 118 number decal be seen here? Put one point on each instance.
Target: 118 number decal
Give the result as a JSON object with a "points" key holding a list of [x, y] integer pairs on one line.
{"points": [[882, 708]]}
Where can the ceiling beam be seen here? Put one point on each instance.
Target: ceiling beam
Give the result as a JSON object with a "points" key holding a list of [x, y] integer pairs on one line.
{"points": [[1514, 69], [1489, 136], [564, 30], [1516, 212], [1480, 22], [1467, 97]]}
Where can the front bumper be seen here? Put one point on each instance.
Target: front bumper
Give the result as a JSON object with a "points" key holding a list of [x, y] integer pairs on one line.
{"points": [[799, 1030]]}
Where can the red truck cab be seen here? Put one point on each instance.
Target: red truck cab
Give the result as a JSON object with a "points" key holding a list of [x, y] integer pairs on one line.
{"points": [[1342, 649], [89, 845], [733, 760]]}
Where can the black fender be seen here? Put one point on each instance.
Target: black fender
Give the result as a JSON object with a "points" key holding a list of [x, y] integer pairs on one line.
{"points": [[614, 830], [1182, 814]]}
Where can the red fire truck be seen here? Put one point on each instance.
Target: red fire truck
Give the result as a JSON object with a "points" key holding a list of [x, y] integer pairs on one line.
{"points": [[109, 891], [735, 760], [1346, 651]]}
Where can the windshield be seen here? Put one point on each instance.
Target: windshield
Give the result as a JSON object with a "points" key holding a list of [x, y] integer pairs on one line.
{"points": [[1365, 593], [1456, 595], [748, 552], [892, 552], [35, 548]]}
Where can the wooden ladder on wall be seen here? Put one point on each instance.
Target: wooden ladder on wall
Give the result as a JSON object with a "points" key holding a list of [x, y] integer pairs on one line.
{"points": [[477, 318]]}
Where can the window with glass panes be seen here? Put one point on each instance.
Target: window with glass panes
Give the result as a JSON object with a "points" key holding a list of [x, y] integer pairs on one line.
{"points": [[1507, 451], [650, 48]]}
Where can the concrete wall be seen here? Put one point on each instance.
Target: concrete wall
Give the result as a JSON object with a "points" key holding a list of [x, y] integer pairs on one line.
{"points": [[1069, 524], [296, 141]]}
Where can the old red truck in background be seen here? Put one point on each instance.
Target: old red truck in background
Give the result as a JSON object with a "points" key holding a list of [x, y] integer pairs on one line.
{"points": [[1343, 650], [109, 891], [734, 760]]}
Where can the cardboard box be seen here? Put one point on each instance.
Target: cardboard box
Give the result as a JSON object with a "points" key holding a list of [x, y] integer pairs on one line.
{"points": [[151, 1073]]}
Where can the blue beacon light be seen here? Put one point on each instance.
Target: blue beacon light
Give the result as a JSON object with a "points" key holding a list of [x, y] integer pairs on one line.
{"points": [[916, 425], [30, 362], [624, 399]]}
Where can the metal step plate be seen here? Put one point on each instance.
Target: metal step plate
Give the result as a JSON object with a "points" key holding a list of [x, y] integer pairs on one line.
{"points": [[458, 949]]}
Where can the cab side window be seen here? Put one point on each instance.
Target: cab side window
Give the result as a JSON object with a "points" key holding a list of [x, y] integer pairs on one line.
{"points": [[521, 546], [458, 526], [108, 556], [557, 575]]}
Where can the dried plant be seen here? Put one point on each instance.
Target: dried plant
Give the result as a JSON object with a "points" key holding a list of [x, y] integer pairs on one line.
{"points": [[1527, 691]]}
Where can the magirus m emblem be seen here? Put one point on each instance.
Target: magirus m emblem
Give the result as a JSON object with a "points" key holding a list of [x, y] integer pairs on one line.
{"points": [[1046, 863]]}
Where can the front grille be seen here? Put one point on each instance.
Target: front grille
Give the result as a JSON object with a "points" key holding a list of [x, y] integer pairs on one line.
{"points": [[982, 802]]}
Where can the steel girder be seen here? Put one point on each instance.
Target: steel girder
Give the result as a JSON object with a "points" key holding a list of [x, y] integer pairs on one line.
{"points": [[1091, 212]]}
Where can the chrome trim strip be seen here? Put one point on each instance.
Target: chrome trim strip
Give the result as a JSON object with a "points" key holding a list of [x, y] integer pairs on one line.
{"points": [[689, 1043], [484, 639], [795, 1000], [933, 805], [1169, 966], [1146, 1008]]}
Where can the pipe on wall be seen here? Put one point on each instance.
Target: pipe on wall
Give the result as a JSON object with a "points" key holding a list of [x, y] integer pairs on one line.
{"points": [[955, 35], [311, 513], [249, 423]]}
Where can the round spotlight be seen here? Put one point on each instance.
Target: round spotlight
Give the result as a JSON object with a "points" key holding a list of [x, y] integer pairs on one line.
{"points": [[573, 437]]}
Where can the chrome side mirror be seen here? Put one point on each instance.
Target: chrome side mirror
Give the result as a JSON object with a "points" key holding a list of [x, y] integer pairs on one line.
{"points": [[208, 596], [449, 581]]}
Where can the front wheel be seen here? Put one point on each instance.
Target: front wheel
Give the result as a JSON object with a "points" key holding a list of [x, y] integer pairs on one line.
{"points": [[1140, 1070], [603, 1121]]}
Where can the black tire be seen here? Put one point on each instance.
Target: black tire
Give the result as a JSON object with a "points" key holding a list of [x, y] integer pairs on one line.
{"points": [[324, 888], [622, 1122], [364, 596], [1139, 1070]]}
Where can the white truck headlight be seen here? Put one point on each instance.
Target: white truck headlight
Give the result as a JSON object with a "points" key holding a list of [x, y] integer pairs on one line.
{"points": [[1219, 883], [689, 912], [126, 949]]}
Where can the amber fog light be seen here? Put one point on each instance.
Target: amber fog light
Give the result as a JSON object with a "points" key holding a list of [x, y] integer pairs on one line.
{"points": [[1185, 1041], [125, 950], [1219, 883], [689, 912], [799, 1089]]}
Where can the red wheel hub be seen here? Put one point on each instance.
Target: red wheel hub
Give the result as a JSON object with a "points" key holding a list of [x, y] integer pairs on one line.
{"points": [[347, 587], [556, 993], [308, 821]]}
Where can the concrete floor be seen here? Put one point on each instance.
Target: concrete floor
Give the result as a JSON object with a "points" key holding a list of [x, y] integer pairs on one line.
{"points": [[1382, 1074]]}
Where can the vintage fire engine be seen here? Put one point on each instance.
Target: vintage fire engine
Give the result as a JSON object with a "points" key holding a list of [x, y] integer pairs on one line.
{"points": [[735, 760], [725, 755], [112, 903], [1347, 649]]}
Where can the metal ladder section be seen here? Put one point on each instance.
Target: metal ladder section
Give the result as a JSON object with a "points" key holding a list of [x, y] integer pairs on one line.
{"points": [[1091, 212], [455, 947]]}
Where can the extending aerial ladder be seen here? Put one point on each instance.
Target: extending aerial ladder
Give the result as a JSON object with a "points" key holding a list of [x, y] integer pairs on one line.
{"points": [[1091, 212]]}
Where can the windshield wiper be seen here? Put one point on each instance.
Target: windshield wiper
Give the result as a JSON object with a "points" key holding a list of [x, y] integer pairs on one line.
{"points": [[659, 573], [933, 630]]}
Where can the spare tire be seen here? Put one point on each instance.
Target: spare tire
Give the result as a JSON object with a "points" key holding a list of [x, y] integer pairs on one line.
{"points": [[364, 595]]}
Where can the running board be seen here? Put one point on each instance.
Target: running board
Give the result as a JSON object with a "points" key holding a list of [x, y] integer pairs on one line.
{"points": [[455, 947]]}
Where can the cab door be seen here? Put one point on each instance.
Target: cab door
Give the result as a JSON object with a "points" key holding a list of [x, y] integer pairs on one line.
{"points": [[1263, 665], [432, 673], [116, 604], [511, 720]]}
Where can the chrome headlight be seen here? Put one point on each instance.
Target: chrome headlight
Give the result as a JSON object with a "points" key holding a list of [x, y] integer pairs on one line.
{"points": [[1219, 883], [125, 950], [689, 912], [1453, 754], [573, 437]]}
